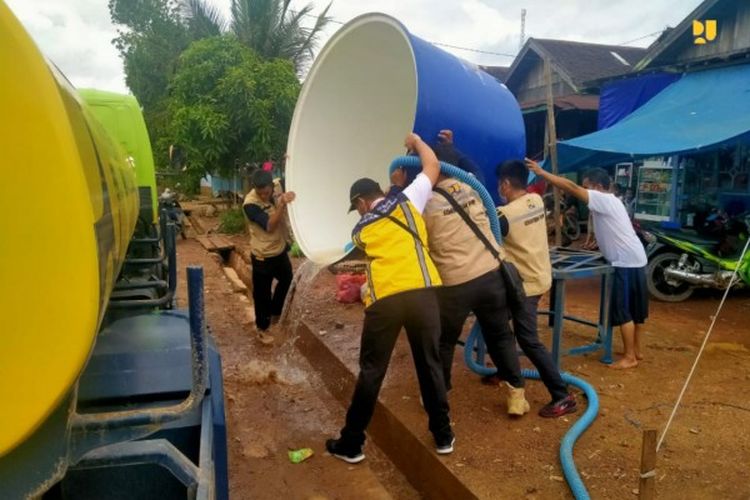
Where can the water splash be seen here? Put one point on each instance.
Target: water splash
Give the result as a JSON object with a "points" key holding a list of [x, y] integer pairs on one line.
{"points": [[294, 306]]}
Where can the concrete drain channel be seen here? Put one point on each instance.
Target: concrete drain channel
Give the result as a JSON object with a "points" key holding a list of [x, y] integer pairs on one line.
{"points": [[416, 461]]}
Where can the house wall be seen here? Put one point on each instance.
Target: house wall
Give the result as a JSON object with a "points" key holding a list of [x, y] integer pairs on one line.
{"points": [[733, 26], [532, 87], [568, 124]]}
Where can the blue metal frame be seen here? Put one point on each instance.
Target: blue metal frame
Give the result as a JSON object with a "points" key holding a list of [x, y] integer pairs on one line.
{"points": [[152, 416], [154, 451], [567, 265], [169, 254]]}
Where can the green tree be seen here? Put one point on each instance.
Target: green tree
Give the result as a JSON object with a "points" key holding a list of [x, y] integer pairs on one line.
{"points": [[227, 105], [151, 36], [269, 27], [153, 33]]}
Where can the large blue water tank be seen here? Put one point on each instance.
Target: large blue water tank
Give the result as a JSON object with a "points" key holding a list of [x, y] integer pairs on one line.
{"points": [[370, 85]]}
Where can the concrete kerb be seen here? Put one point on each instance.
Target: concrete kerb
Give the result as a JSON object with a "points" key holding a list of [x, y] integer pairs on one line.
{"points": [[416, 461]]}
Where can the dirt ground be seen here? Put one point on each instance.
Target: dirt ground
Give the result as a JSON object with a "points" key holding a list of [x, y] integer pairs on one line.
{"points": [[703, 456], [276, 401]]}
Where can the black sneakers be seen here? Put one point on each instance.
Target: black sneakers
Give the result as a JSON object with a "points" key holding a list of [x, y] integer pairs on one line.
{"points": [[349, 454], [444, 446], [559, 408]]}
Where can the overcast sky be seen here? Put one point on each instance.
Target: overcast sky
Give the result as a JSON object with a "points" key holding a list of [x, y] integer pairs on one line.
{"points": [[77, 34]]}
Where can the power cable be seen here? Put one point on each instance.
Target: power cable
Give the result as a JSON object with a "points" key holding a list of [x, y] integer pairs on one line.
{"points": [[642, 37], [457, 47], [481, 51]]}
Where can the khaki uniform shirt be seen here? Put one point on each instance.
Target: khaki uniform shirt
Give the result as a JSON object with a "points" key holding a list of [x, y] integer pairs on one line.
{"points": [[526, 244], [457, 252], [266, 244]]}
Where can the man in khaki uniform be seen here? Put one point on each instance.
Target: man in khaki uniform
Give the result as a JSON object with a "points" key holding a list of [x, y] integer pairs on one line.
{"points": [[470, 275], [524, 229], [266, 211]]}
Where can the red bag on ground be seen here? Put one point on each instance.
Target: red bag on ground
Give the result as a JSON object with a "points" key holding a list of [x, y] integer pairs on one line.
{"points": [[348, 287]]}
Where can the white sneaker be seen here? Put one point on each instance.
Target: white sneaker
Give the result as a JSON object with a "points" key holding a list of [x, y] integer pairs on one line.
{"points": [[517, 404], [445, 448], [265, 339]]}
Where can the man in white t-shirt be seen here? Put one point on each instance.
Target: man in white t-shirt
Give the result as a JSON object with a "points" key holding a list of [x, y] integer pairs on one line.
{"points": [[621, 247]]}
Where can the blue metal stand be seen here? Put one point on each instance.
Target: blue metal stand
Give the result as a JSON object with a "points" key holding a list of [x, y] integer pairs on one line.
{"points": [[568, 264]]}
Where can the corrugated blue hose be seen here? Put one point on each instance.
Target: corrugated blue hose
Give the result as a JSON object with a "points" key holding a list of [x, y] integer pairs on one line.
{"points": [[475, 337]]}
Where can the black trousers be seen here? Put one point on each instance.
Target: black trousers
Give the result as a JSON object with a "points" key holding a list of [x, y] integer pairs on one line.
{"points": [[485, 296], [269, 303], [417, 312], [524, 326]]}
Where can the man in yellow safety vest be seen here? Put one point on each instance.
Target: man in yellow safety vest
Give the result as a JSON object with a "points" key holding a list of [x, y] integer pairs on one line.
{"points": [[401, 281]]}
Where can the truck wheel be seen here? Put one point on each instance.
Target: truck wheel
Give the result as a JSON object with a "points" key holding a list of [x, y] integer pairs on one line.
{"points": [[658, 286]]}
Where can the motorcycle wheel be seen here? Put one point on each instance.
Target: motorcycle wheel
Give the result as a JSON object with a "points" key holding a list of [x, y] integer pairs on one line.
{"points": [[658, 286], [571, 227]]}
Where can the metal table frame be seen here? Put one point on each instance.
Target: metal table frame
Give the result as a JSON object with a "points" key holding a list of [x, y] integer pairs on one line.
{"points": [[570, 264]]}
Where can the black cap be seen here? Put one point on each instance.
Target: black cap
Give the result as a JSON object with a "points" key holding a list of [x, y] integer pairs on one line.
{"points": [[362, 187]]}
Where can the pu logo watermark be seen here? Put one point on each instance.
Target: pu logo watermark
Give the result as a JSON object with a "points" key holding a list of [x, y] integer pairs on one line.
{"points": [[704, 31]]}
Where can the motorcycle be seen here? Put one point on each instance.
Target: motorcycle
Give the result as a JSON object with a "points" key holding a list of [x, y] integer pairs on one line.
{"points": [[571, 229], [681, 260], [168, 202]]}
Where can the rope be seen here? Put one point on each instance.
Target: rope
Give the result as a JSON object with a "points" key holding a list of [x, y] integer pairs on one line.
{"points": [[703, 346]]}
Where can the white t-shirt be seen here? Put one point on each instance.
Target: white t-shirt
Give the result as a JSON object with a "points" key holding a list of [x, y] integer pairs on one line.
{"points": [[614, 231], [419, 191]]}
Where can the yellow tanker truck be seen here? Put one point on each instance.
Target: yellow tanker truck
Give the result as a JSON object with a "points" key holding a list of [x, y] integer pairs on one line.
{"points": [[107, 391]]}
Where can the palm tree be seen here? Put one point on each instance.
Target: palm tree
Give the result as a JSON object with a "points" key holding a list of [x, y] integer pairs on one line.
{"points": [[269, 27]]}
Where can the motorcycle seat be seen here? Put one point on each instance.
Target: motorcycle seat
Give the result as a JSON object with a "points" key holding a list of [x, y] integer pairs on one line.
{"points": [[691, 237]]}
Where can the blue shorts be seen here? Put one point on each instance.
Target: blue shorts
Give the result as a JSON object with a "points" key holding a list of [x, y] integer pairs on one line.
{"points": [[629, 296]]}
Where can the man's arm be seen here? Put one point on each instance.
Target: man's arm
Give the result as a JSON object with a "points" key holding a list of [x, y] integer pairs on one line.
{"points": [[566, 185], [419, 191], [256, 214], [430, 164], [277, 217]]}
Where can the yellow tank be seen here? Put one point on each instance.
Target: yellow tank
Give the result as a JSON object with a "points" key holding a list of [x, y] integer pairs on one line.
{"points": [[68, 206]]}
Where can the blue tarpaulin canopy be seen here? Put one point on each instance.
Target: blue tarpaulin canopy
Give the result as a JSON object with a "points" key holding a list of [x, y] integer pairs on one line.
{"points": [[620, 98], [701, 111]]}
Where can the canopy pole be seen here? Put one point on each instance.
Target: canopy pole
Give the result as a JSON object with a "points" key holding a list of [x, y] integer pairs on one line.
{"points": [[551, 137]]}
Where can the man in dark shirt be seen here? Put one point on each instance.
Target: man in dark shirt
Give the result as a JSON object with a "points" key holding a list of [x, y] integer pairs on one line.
{"points": [[446, 152]]}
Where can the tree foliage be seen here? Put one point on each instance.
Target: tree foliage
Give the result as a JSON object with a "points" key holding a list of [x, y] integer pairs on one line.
{"points": [[227, 106], [234, 107], [151, 36], [268, 27]]}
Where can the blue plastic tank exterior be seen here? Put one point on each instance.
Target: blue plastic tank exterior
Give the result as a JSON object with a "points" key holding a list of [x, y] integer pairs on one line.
{"points": [[372, 83], [484, 115]]}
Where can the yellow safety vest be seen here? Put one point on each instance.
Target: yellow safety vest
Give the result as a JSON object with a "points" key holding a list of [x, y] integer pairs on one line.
{"points": [[396, 260]]}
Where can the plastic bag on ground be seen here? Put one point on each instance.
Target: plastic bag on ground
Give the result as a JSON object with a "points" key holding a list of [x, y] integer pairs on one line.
{"points": [[348, 287]]}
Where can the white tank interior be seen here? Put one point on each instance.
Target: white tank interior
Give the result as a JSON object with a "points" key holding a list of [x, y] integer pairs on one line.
{"points": [[356, 106]]}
